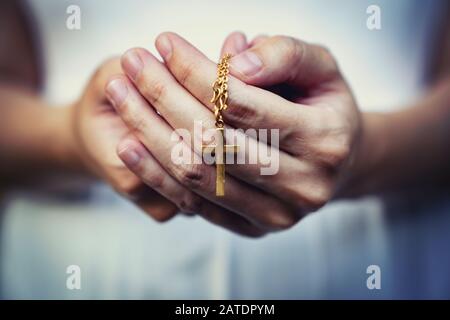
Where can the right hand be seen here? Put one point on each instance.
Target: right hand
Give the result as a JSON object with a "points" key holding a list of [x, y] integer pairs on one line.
{"points": [[97, 131], [190, 185], [155, 98]]}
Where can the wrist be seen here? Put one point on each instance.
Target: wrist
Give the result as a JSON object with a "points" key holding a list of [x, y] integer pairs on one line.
{"points": [[369, 150], [66, 150]]}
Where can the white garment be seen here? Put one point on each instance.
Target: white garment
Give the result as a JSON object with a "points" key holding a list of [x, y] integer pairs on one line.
{"points": [[124, 254]]}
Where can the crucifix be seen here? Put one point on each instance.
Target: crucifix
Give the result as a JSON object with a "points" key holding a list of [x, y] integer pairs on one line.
{"points": [[219, 151]]}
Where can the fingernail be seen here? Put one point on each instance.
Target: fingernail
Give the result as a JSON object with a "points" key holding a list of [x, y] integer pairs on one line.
{"points": [[130, 157], [164, 46], [132, 64], [247, 63], [117, 91]]}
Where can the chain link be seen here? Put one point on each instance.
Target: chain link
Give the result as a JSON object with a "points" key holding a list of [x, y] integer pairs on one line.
{"points": [[220, 90]]}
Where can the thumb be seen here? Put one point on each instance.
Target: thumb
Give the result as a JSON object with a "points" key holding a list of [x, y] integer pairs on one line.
{"points": [[281, 59], [234, 44], [95, 89]]}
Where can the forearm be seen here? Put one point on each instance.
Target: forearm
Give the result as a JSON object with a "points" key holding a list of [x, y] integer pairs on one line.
{"points": [[404, 148], [35, 139]]}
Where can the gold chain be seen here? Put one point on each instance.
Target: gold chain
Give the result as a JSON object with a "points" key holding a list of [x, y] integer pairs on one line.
{"points": [[220, 89]]}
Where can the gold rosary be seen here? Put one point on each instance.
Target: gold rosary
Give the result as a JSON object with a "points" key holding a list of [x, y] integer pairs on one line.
{"points": [[220, 90], [219, 99]]}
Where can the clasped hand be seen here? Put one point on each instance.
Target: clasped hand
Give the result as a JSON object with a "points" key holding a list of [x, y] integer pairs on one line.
{"points": [[126, 118]]}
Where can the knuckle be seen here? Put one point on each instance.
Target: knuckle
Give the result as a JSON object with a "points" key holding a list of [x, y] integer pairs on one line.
{"points": [[240, 109], [107, 68], [123, 108], [317, 196], [190, 203], [327, 55], [137, 124], [333, 154], [160, 215], [240, 113], [254, 233], [186, 72], [339, 153], [329, 61], [308, 196], [290, 48], [128, 186], [276, 221], [332, 142], [154, 90], [154, 179], [192, 176], [283, 221]]}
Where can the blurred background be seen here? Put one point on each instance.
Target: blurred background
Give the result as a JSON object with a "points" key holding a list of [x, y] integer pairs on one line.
{"points": [[122, 253]]}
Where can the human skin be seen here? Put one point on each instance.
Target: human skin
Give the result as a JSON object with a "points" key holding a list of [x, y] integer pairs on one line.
{"points": [[36, 140], [39, 142], [315, 139], [328, 148]]}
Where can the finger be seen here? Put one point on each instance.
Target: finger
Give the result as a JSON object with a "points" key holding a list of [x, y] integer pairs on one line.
{"points": [[130, 186], [249, 107], [173, 102], [124, 181], [181, 110], [150, 201], [283, 59], [264, 211], [110, 67], [157, 206], [139, 160], [257, 40], [234, 44], [231, 221], [176, 105]]}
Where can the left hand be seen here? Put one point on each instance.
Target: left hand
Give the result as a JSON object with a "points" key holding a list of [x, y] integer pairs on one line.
{"points": [[318, 124], [96, 131]]}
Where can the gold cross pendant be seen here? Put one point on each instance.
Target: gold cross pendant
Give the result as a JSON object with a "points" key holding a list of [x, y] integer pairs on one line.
{"points": [[219, 151]]}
